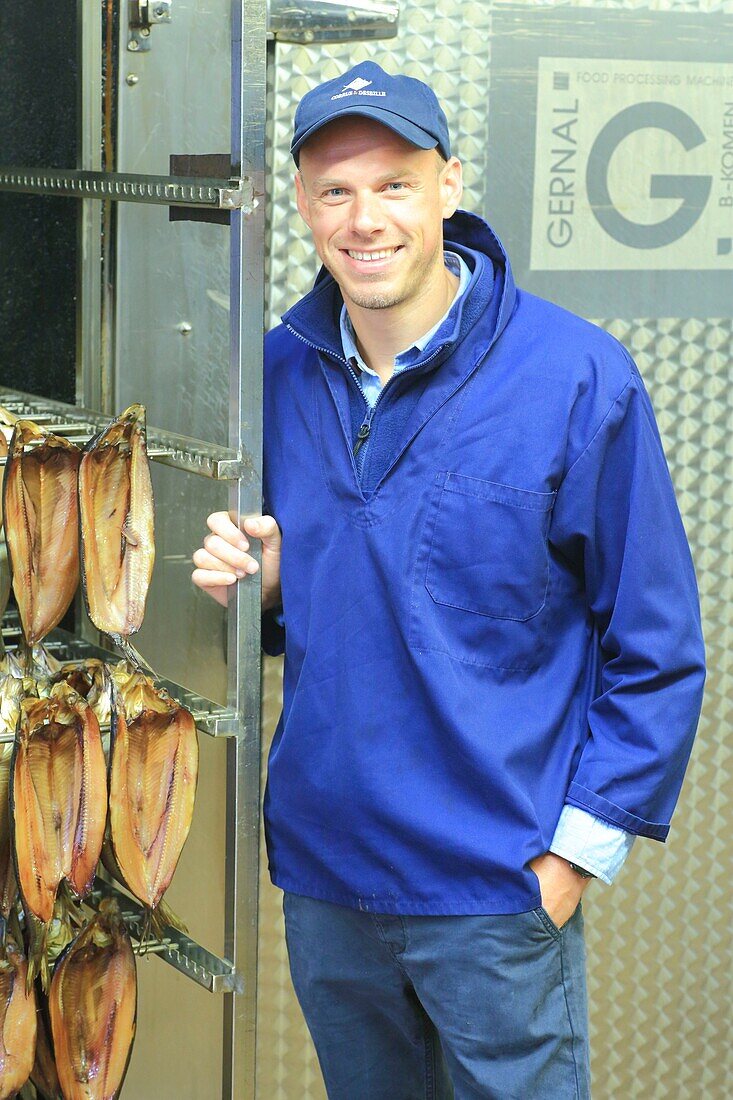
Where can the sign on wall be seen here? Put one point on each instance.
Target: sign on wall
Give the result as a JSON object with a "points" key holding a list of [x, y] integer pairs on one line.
{"points": [[611, 158]]}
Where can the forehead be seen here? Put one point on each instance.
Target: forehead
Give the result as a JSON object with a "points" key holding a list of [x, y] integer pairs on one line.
{"points": [[361, 141]]}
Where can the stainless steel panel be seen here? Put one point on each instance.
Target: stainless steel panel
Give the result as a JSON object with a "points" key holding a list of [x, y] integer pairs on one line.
{"points": [[659, 1008], [172, 352]]}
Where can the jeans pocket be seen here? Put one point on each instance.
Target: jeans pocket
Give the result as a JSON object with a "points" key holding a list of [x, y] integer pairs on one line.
{"points": [[548, 923]]}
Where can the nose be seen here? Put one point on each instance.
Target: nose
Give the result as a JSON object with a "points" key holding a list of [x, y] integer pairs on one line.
{"points": [[366, 214]]}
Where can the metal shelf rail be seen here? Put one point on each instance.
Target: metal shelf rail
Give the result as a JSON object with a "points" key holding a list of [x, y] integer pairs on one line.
{"points": [[211, 718], [79, 425], [239, 464], [184, 954]]}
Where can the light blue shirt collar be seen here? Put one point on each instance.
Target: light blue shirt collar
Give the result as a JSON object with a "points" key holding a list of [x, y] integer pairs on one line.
{"points": [[458, 266]]}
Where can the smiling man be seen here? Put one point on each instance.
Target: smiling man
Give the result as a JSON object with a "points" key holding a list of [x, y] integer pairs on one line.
{"points": [[473, 560]]}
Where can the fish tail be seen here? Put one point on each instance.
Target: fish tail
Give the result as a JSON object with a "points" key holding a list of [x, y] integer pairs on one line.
{"points": [[146, 932], [134, 656], [37, 958], [164, 917]]}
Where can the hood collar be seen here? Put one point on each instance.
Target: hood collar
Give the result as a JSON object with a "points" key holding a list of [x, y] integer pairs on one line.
{"points": [[315, 318]]}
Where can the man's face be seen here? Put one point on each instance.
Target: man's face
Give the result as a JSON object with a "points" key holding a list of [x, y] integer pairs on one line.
{"points": [[375, 205]]}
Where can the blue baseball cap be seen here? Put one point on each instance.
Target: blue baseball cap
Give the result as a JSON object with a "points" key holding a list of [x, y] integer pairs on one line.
{"points": [[401, 103]]}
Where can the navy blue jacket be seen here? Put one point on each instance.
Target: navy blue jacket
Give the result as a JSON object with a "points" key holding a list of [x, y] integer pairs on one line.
{"points": [[500, 616]]}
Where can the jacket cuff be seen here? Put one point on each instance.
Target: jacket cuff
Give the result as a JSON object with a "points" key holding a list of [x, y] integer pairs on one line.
{"points": [[273, 632], [588, 800], [592, 843]]}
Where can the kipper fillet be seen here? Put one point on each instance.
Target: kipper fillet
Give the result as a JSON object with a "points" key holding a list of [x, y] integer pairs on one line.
{"points": [[116, 514], [11, 693], [8, 882], [41, 526], [17, 1021], [93, 1006], [152, 782], [58, 798]]}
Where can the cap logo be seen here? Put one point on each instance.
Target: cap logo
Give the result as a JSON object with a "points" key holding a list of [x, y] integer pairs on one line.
{"points": [[356, 87]]}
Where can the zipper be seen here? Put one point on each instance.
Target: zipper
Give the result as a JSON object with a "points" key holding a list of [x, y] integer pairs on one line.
{"points": [[366, 425], [363, 433]]}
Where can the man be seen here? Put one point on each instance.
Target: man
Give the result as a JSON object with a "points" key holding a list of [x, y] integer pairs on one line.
{"points": [[493, 656]]}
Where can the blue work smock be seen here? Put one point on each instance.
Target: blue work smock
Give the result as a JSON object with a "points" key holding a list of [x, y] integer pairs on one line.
{"points": [[494, 615]]}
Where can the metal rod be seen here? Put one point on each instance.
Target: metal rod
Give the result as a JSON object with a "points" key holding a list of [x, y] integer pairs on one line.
{"points": [[246, 313], [89, 214]]}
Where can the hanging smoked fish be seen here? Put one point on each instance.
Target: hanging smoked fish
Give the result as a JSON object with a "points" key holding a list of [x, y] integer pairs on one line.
{"points": [[41, 526], [8, 421], [11, 694], [17, 1021], [116, 514], [93, 1006], [58, 805], [91, 680], [8, 882], [43, 1075], [152, 782]]}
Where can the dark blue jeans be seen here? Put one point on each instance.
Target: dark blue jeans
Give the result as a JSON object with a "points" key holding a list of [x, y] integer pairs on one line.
{"points": [[434, 1008]]}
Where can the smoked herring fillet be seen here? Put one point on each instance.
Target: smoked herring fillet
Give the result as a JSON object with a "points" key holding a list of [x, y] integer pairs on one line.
{"points": [[93, 1007], [17, 1021], [153, 774], [116, 516], [41, 524], [58, 798]]}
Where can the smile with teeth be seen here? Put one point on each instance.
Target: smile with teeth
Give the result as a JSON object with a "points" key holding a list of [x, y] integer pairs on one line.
{"points": [[379, 254]]}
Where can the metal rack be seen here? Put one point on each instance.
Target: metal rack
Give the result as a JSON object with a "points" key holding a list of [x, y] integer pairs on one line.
{"points": [[238, 463], [137, 38], [210, 717], [79, 425], [183, 953], [189, 958], [231, 194]]}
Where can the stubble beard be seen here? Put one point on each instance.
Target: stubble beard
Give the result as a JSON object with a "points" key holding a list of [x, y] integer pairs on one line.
{"points": [[374, 299]]}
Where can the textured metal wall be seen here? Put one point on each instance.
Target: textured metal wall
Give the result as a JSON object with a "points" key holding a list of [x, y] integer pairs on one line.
{"points": [[658, 940]]}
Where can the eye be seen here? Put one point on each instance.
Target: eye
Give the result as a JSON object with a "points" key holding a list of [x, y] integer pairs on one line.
{"points": [[396, 186], [334, 193]]}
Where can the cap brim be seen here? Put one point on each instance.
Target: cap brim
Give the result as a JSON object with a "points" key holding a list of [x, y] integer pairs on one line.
{"points": [[399, 125]]}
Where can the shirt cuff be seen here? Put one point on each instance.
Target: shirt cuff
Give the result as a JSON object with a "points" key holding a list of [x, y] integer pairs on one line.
{"points": [[592, 843]]}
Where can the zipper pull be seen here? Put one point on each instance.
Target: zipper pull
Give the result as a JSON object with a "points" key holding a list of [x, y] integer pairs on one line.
{"points": [[362, 436]]}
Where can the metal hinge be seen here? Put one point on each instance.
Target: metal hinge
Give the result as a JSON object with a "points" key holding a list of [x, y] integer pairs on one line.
{"points": [[142, 15], [331, 20]]}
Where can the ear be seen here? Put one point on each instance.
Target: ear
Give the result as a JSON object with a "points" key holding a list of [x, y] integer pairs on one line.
{"points": [[302, 199], [451, 186]]}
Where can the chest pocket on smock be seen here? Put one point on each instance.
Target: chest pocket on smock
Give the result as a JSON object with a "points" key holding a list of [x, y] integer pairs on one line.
{"points": [[484, 566]]}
